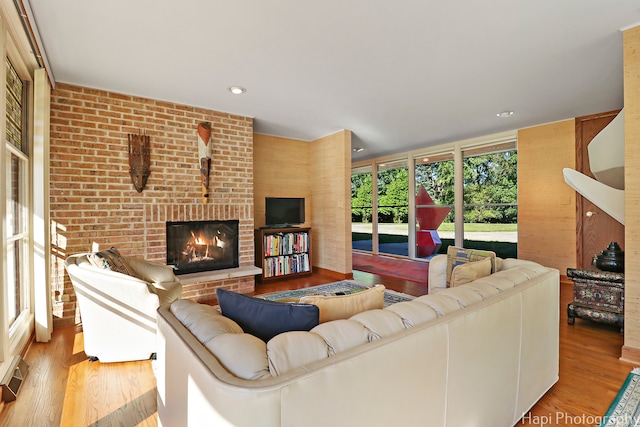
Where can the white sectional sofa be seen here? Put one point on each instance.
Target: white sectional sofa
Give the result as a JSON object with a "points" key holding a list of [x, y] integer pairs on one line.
{"points": [[479, 354]]}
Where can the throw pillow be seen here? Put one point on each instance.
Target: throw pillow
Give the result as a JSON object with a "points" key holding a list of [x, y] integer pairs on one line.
{"points": [[333, 307], [266, 319], [457, 256], [470, 271], [110, 259]]}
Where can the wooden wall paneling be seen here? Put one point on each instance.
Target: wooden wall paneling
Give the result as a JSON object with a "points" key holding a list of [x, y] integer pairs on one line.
{"points": [[332, 202], [281, 168], [546, 204], [631, 348]]}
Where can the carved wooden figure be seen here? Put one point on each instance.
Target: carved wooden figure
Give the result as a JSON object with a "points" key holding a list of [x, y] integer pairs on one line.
{"points": [[204, 153], [139, 160]]}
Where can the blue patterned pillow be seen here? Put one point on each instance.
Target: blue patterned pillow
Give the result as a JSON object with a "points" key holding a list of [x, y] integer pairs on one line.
{"points": [[266, 319]]}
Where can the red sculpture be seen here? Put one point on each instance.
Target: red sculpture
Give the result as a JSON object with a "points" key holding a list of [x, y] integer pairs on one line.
{"points": [[429, 217]]}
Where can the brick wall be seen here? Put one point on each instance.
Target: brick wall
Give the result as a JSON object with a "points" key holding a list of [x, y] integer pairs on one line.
{"points": [[93, 199]]}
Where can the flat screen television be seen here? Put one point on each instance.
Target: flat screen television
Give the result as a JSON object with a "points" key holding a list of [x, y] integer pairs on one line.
{"points": [[284, 211]]}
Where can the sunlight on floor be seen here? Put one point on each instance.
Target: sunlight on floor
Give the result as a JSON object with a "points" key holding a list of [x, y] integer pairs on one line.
{"points": [[78, 343], [122, 393]]}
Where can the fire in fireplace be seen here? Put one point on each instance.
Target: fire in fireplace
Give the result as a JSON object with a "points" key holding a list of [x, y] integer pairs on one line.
{"points": [[194, 246]]}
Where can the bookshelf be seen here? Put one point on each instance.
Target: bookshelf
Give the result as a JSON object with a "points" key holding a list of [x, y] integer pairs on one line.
{"points": [[283, 252]]}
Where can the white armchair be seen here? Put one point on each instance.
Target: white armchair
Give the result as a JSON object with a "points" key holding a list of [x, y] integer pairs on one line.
{"points": [[119, 311]]}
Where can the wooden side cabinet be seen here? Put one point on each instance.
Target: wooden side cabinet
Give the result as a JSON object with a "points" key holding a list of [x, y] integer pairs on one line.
{"points": [[598, 296], [283, 252]]}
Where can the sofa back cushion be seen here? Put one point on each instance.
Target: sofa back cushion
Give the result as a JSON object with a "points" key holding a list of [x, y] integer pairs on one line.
{"points": [[335, 307], [266, 319]]}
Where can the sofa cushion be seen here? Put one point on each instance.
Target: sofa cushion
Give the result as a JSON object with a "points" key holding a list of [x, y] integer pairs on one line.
{"points": [[380, 323], [266, 319], [509, 263], [202, 320], [151, 272], [110, 259], [412, 313], [341, 335], [485, 290], [243, 355], [293, 350], [457, 256], [463, 295], [440, 303], [334, 307], [470, 271]]}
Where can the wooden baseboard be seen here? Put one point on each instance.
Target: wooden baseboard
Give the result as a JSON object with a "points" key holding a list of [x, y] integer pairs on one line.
{"points": [[333, 274], [630, 354]]}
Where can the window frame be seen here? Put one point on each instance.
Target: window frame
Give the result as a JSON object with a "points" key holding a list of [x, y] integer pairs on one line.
{"points": [[16, 333]]}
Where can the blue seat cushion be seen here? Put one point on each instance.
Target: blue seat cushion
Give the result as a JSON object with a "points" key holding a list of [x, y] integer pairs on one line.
{"points": [[266, 319]]}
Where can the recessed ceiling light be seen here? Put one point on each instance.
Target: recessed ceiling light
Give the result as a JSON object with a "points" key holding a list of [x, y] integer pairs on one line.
{"points": [[505, 114], [357, 149], [237, 90]]}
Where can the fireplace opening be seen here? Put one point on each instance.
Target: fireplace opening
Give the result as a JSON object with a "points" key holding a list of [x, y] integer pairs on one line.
{"points": [[195, 246]]}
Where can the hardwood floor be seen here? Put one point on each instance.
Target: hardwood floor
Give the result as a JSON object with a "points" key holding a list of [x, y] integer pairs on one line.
{"points": [[63, 388]]}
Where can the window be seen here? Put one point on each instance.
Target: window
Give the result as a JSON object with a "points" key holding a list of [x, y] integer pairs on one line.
{"points": [[362, 208], [490, 191], [393, 207], [463, 194], [435, 192], [17, 183]]}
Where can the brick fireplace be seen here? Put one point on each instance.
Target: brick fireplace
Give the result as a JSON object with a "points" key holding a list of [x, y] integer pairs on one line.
{"points": [[92, 198]]}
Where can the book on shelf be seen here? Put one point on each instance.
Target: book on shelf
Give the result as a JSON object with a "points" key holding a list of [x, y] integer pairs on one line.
{"points": [[286, 243], [282, 265]]}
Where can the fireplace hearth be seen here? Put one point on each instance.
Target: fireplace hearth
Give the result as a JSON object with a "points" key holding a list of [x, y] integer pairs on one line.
{"points": [[196, 246]]}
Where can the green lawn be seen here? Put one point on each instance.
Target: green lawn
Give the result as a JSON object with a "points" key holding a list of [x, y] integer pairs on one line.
{"points": [[468, 227], [471, 227]]}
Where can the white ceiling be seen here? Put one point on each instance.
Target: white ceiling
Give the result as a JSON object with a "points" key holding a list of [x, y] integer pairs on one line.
{"points": [[400, 75]]}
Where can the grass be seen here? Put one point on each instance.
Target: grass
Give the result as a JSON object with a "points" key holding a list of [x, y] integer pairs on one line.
{"points": [[448, 226], [471, 227]]}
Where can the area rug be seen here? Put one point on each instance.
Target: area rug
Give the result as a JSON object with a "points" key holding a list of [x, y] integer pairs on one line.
{"points": [[411, 270], [342, 287], [625, 408]]}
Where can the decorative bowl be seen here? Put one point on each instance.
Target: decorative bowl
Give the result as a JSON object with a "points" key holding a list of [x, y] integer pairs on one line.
{"points": [[610, 259]]}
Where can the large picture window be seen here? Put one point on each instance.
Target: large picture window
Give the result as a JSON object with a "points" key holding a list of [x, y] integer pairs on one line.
{"points": [[464, 195]]}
